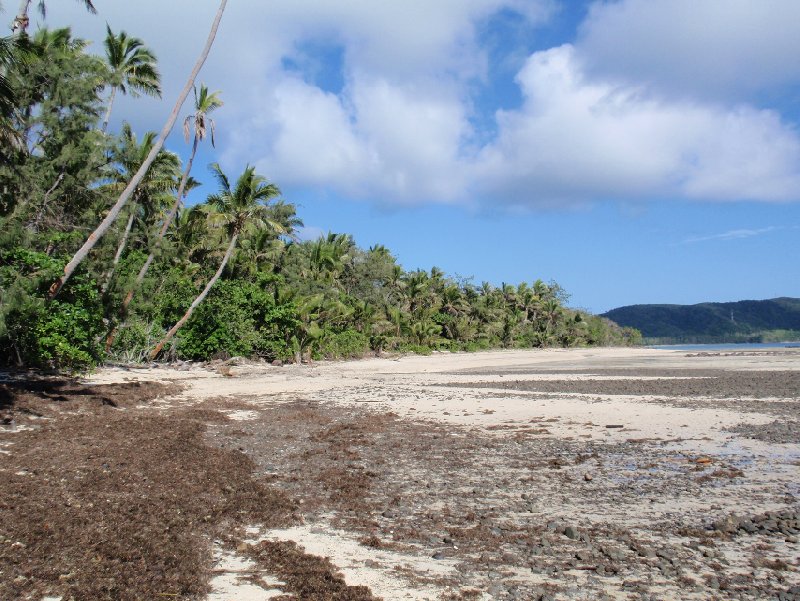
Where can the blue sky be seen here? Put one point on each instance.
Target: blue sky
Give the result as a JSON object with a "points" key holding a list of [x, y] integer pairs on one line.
{"points": [[635, 151]]}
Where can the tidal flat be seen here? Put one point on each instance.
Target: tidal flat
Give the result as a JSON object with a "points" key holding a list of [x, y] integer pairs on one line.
{"points": [[542, 474]]}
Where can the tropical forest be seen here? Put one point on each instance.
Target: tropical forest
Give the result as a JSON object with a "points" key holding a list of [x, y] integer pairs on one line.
{"points": [[102, 259]]}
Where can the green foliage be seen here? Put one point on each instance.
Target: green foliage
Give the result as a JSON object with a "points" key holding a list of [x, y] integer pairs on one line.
{"points": [[275, 332], [631, 337], [224, 324], [60, 335], [134, 340], [349, 344], [57, 88], [780, 336], [474, 347]]}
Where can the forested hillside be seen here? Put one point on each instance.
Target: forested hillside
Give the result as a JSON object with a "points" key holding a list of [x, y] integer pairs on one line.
{"points": [[99, 257], [748, 320]]}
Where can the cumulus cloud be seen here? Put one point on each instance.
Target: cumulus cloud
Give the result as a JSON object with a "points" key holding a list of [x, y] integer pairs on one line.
{"points": [[638, 107], [379, 140], [708, 48], [578, 139]]}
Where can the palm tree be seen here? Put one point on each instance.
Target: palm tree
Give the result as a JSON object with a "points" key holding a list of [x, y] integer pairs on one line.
{"points": [[421, 297], [234, 208], [131, 66], [262, 251], [204, 104], [552, 313], [112, 215], [21, 21], [330, 255], [148, 197]]}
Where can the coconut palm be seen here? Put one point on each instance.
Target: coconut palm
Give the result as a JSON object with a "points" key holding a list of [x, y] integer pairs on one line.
{"points": [[204, 104], [131, 67], [419, 293], [330, 255], [262, 251], [233, 208], [149, 196], [113, 213], [21, 21]]}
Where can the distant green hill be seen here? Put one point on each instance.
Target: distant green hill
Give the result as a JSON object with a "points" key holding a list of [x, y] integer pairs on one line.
{"points": [[772, 320]]}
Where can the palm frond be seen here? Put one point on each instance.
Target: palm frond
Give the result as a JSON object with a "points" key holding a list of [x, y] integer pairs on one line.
{"points": [[220, 176]]}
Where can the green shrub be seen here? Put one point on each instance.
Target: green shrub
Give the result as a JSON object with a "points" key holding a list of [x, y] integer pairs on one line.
{"points": [[349, 344], [164, 297], [222, 324], [477, 345], [276, 326], [63, 334], [135, 340]]}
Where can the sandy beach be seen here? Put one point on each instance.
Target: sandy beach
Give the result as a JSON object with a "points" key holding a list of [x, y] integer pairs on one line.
{"points": [[543, 474]]}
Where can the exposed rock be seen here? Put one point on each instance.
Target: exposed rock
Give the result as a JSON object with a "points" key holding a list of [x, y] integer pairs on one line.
{"points": [[571, 532]]}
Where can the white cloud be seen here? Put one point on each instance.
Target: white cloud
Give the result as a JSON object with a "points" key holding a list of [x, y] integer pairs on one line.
{"points": [[396, 131], [733, 235], [576, 139], [633, 110], [379, 140], [711, 48], [311, 136]]}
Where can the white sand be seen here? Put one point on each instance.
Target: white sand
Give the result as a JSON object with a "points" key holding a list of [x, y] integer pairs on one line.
{"points": [[411, 387]]}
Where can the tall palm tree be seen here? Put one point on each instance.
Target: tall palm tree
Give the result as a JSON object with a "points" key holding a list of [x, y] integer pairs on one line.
{"points": [[234, 208], [148, 197], [21, 21], [131, 66], [112, 214], [204, 104]]}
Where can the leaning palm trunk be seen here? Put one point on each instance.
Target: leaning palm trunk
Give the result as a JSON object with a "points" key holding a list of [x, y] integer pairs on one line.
{"points": [[95, 236], [107, 118], [156, 246], [120, 249], [164, 227], [197, 301]]}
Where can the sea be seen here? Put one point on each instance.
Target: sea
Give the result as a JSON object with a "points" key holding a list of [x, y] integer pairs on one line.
{"points": [[738, 346]]}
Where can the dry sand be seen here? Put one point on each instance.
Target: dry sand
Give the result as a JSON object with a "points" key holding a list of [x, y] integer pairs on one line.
{"points": [[544, 474]]}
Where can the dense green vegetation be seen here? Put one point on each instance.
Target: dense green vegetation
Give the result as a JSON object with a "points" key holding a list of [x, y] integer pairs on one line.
{"points": [[774, 320], [225, 277]]}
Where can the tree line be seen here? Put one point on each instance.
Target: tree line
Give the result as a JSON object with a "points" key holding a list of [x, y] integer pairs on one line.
{"points": [[101, 259]]}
